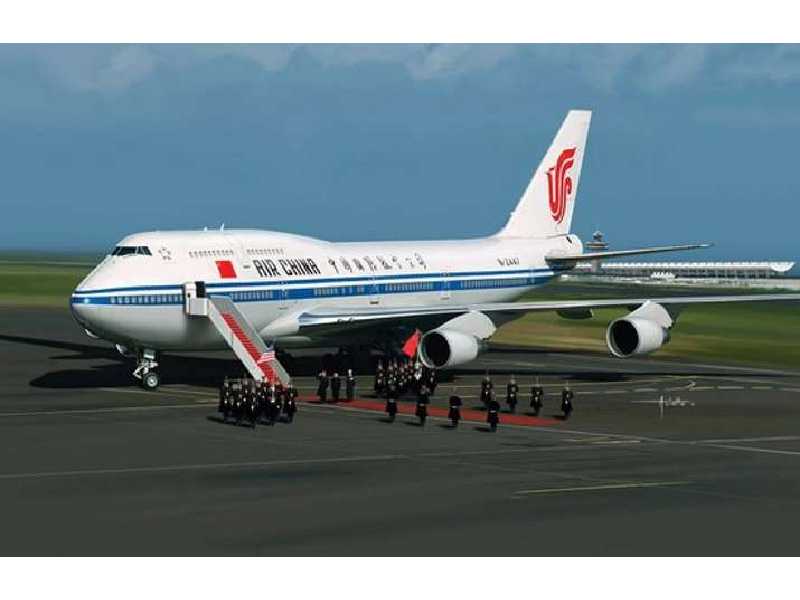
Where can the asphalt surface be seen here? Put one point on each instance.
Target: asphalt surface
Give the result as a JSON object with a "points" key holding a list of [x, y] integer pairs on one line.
{"points": [[91, 464]]}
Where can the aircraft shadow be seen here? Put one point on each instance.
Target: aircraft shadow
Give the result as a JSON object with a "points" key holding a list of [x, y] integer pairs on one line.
{"points": [[207, 371]]}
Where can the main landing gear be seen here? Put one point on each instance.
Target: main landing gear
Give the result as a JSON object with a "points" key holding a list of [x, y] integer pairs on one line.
{"points": [[146, 369]]}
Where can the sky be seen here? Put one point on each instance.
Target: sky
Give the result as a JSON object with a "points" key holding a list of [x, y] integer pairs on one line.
{"points": [[688, 143]]}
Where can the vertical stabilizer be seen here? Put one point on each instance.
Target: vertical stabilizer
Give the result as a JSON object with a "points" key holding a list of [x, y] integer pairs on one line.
{"points": [[545, 208]]}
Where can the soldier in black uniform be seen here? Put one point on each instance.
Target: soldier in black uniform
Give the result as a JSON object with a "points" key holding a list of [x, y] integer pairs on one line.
{"points": [[423, 400], [380, 380], [419, 374], [350, 385], [251, 402], [276, 407], [336, 386], [391, 385], [512, 389], [322, 388], [400, 376], [289, 404], [273, 410], [537, 397], [493, 412], [238, 401], [391, 401], [486, 390], [566, 401], [454, 414], [224, 394], [432, 381]]}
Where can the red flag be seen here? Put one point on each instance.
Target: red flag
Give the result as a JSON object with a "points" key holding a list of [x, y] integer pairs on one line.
{"points": [[410, 345]]}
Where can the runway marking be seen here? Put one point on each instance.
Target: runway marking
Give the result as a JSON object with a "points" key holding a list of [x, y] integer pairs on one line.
{"points": [[730, 387], [752, 380], [762, 387], [796, 390], [608, 442], [161, 391], [73, 411], [199, 467], [645, 390], [775, 438], [598, 488], [753, 449]]}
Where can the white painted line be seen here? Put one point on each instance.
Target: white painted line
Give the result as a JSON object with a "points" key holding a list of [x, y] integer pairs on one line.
{"points": [[796, 390], [645, 390], [159, 392], [607, 442], [753, 449], [775, 438], [730, 387], [762, 387], [199, 467], [113, 409], [597, 488]]}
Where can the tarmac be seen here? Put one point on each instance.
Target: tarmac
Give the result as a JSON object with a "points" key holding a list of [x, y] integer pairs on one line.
{"points": [[659, 458]]}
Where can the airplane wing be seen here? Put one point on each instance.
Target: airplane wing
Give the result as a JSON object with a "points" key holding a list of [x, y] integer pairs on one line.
{"points": [[344, 318], [566, 260]]}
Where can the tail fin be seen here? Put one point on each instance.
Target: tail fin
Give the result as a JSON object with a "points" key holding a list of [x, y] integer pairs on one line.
{"points": [[545, 208]]}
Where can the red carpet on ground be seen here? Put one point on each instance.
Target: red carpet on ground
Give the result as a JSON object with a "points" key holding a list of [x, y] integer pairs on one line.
{"points": [[409, 408]]}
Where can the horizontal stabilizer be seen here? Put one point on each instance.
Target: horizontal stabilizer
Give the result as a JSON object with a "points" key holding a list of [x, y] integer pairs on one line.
{"points": [[562, 259]]}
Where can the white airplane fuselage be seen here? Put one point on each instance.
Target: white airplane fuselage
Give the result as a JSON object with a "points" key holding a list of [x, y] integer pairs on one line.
{"points": [[135, 297]]}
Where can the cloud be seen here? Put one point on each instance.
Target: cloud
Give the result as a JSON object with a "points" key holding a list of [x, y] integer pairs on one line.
{"points": [[95, 68], [778, 64], [453, 59], [672, 66], [600, 66], [107, 68], [604, 67], [750, 117], [607, 67]]}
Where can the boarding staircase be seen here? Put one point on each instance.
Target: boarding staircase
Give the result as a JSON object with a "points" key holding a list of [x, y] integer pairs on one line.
{"points": [[241, 336]]}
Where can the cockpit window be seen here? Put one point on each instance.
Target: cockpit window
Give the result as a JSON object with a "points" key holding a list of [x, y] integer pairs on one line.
{"points": [[124, 250]]}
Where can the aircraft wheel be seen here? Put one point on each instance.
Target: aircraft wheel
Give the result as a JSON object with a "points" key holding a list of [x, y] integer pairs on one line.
{"points": [[151, 380]]}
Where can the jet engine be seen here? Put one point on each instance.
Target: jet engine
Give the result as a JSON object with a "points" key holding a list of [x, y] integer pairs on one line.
{"points": [[447, 348], [644, 330]]}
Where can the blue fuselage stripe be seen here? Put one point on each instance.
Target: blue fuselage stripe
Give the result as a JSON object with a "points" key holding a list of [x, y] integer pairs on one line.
{"points": [[364, 280], [266, 291]]}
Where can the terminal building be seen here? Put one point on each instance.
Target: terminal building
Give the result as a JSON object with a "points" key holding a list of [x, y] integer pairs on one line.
{"points": [[689, 270], [668, 271]]}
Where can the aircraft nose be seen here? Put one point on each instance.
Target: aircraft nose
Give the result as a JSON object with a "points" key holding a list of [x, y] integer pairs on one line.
{"points": [[81, 308], [82, 301]]}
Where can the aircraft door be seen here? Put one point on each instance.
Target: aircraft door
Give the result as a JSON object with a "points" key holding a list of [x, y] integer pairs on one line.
{"points": [[194, 295], [444, 293], [286, 297], [189, 293]]}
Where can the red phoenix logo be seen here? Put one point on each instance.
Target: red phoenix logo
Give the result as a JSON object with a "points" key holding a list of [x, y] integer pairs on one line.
{"points": [[559, 185]]}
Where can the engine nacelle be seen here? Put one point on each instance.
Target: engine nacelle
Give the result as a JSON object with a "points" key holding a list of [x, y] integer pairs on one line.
{"points": [[635, 335], [447, 348]]}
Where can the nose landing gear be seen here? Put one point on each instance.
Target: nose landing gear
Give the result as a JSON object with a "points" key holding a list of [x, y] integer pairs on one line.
{"points": [[146, 369]]}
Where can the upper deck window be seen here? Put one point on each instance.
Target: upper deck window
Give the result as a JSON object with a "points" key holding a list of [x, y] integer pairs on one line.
{"points": [[125, 250]]}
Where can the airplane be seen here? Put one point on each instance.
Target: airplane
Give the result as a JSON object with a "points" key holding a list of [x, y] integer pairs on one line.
{"points": [[259, 292]]}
